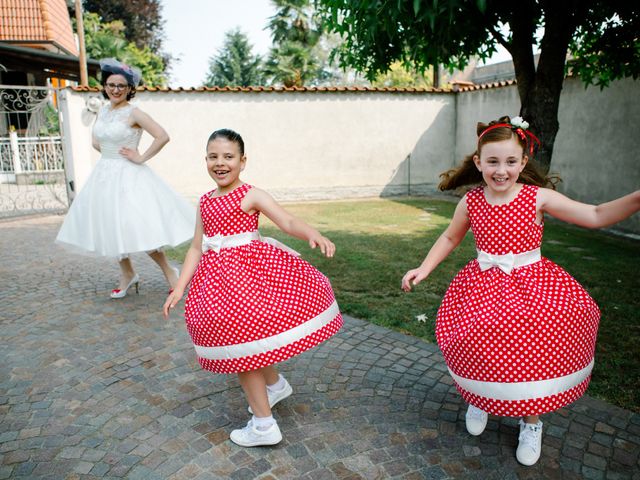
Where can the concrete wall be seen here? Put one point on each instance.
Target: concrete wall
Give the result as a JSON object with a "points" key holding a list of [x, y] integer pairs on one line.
{"points": [[320, 145], [299, 145]]}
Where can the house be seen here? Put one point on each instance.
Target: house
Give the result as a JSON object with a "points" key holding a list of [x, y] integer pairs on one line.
{"points": [[37, 44]]}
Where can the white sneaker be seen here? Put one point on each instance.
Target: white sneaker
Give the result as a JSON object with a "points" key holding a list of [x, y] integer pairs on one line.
{"points": [[279, 395], [529, 443], [476, 420], [250, 436]]}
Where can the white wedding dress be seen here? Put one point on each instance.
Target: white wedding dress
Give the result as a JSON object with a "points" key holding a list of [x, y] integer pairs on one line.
{"points": [[124, 207]]}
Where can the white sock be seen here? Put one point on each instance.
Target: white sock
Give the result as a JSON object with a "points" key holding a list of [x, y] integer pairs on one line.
{"points": [[263, 423], [279, 385]]}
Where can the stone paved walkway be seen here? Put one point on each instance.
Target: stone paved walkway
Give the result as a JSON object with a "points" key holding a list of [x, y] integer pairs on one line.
{"points": [[96, 388]]}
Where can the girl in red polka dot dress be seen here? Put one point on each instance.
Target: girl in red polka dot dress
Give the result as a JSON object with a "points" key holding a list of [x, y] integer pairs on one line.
{"points": [[252, 301], [517, 332]]}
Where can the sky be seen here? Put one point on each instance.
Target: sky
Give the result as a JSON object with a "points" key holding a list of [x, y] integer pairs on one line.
{"points": [[195, 31]]}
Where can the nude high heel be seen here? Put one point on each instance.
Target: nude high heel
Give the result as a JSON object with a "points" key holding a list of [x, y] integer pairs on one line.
{"points": [[117, 293]]}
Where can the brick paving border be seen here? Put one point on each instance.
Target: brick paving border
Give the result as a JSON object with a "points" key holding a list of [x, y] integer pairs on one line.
{"points": [[97, 388]]}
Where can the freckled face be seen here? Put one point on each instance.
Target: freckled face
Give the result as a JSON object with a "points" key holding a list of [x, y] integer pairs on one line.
{"points": [[501, 164], [224, 163]]}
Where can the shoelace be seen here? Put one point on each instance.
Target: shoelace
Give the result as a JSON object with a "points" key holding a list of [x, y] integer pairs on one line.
{"points": [[529, 437]]}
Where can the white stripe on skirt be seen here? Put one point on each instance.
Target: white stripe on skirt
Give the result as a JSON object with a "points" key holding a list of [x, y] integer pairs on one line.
{"points": [[523, 390], [240, 350]]}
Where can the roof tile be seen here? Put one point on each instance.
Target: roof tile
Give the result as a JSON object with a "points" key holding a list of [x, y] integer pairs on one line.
{"points": [[42, 23]]}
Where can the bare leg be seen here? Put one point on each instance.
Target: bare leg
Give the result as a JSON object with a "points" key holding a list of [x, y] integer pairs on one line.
{"points": [[126, 272], [533, 419], [255, 388], [270, 374], [169, 273]]}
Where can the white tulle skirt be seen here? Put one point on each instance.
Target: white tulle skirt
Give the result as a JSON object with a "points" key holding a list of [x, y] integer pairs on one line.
{"points": [[126, 208]]}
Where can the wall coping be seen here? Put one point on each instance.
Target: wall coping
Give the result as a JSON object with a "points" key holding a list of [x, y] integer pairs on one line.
{"points": [[332, 89]]}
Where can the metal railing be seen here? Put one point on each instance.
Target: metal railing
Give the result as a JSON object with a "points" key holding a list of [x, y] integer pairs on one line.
{"points": [[32, 172]]}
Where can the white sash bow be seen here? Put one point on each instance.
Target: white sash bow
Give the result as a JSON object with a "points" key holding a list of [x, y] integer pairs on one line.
{"points": [[217, 242], [507, 262]]}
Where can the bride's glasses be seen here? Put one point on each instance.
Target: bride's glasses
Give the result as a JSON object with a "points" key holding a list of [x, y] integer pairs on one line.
{"points": [[117, 86]]}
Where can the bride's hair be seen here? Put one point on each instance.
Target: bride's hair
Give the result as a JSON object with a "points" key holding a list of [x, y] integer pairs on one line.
{"points": [[105, 76]]}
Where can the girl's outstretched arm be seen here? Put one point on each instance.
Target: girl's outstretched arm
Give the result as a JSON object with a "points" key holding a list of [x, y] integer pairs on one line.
{"points": [[189, 266], [259, 200], [590, 216], [445, 244]]}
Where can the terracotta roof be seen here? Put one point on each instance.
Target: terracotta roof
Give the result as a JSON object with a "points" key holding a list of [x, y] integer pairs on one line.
{"points": [[463, 87], [43, 24], [278, 89], [457, 87]]}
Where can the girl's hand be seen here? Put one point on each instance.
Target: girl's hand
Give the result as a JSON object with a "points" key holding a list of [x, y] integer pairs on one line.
{"points": [[131, 154], [412, 277], [172, 300], [326, 246]]}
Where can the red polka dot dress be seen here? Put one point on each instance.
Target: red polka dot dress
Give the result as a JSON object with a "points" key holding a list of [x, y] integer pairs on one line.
{"points": [[253, 305], [519, 343]]}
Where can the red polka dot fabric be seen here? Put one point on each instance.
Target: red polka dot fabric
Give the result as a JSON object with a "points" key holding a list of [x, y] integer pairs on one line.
{"points": [[245, 301], [512, 332]]}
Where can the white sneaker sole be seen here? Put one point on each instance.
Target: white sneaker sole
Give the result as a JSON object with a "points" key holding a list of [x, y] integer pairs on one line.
{"points": [[257, 443]]}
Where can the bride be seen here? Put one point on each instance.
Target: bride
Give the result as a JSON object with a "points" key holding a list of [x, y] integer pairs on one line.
{"points": [[124, 206]]}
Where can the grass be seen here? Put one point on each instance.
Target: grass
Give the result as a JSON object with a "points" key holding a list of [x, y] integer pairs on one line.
{"points": [[378, 240]]}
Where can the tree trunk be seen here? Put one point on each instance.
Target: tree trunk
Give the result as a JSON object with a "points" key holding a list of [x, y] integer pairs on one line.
{"points": [[540, 88]]}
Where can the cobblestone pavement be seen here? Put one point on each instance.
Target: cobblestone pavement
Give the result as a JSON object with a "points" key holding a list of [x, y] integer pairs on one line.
{"points": [[97, 388]]}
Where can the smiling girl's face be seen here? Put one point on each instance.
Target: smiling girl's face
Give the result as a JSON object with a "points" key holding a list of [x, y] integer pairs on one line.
{"points": [[500, 164], [224, 163]]}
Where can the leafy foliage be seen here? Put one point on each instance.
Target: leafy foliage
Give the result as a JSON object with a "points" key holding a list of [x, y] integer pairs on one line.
{"points": [[294, 59], [103, 40], [602, 37], [141, 18], [235, 64], [399, 76], [419, 34], [606, 46]]}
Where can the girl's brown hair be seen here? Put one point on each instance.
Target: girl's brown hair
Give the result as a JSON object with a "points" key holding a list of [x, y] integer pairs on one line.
{"points": [[468, 173]]}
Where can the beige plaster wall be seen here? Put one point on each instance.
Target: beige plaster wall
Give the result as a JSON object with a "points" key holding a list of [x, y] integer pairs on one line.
{"points": [[299, 145]]}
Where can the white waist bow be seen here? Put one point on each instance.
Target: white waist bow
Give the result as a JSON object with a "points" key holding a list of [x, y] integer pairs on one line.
{"points": [[218, 242], [509, 261]]}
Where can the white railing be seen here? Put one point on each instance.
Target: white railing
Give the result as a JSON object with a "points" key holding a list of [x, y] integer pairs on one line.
{"points": [[30, 154]]}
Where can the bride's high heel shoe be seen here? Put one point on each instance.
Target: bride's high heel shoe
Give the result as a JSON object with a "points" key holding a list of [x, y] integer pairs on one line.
{"points": [[117, 293]]}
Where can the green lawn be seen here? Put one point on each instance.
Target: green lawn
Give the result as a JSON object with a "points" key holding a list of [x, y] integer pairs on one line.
{"points": [[378, 240]]}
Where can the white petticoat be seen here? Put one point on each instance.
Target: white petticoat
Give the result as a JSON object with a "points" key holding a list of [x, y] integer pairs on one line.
{"points": [[126, 208]]}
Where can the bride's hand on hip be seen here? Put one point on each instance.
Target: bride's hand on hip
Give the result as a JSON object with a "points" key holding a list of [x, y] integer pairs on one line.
{"points": [[131, 154]]}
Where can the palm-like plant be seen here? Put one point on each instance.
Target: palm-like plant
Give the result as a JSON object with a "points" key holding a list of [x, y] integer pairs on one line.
{"points": [[293, 60]]}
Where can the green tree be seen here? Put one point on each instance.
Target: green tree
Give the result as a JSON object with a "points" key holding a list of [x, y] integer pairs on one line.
{"points": [[103, 40], [293, 59], [235, 64], [400, 76], [142, 19], [601, 36]]}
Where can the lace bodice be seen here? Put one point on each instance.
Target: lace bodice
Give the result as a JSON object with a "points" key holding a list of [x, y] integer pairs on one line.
{"points": [[113, 132]]}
